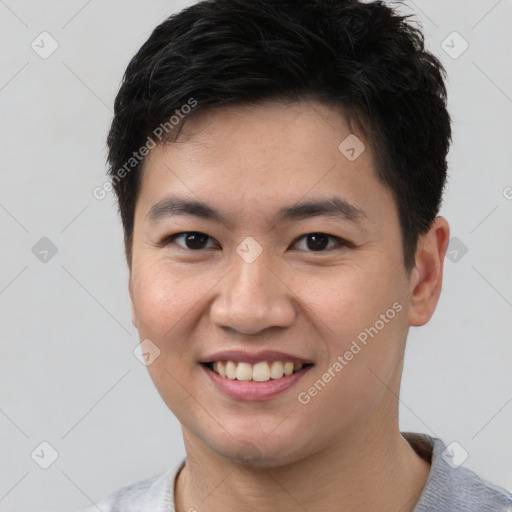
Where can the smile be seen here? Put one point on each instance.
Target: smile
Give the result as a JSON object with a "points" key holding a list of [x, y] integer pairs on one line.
{"points": [[259, 372], [258, 381]]}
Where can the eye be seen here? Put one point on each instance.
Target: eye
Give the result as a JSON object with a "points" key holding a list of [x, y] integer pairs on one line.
{"points": [[193, 240], [318, 242], [314, 242]]}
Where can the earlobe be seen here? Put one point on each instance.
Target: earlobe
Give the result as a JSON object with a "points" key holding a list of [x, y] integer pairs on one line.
{"points": [[427, 276], [130, 291]]}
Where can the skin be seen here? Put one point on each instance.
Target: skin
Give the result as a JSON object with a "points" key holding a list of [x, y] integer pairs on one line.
{"points": [[344, 446]]}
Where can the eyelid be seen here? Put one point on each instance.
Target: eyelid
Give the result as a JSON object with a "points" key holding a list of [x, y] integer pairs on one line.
{"points": [[340, 242], [169, 239]]}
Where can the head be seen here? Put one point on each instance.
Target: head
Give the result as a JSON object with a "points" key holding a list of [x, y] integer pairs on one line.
{"points": [[257, 112]]}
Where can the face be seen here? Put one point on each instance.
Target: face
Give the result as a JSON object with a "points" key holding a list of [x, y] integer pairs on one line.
{"points": [[258, 270]]}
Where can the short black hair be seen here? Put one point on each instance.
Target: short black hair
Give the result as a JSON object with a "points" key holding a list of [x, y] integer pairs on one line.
{"points": [[364, 58]]}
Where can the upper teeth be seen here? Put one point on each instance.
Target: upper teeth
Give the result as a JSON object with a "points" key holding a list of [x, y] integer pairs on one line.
{"points": [[259, 372]]}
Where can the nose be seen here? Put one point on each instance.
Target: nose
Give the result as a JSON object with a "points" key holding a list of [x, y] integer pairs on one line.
{"points": [[253, 297]]}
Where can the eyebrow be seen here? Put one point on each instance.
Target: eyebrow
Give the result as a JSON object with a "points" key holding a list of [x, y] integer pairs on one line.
{"points": [[332, 207]]}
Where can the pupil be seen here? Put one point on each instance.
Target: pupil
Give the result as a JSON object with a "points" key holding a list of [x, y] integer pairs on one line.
{"points": [[315, 241], [196, 240], [319, 241]]}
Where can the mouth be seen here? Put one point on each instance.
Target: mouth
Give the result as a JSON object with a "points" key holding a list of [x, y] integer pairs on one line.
{"points": [[258, 381], [262, 371], [247, 375]]}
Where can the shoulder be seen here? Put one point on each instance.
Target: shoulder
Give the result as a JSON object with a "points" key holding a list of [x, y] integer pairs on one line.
{"points": [[155, 494], [450, 486]]}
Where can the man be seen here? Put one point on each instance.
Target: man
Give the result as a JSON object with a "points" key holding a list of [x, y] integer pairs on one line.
{"points": [[246, 133]]}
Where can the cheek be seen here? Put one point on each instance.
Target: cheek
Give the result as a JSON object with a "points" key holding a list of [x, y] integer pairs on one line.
{"points": [[362, 325], [162, 301], [166, 303], [361, 317], [348, 299]]}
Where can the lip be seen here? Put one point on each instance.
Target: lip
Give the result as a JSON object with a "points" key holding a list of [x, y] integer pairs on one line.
{"points": [[251, 390], [241, 356]]}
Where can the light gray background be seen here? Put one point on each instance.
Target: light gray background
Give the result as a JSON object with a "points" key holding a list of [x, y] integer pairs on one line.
{"points": [[68, 373]]}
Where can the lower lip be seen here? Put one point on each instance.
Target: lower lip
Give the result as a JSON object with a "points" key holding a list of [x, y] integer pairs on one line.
{"points": [[251, 390]]}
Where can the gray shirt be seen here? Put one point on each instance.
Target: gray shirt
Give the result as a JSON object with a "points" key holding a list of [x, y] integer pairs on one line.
{"points": [[449, 488]]}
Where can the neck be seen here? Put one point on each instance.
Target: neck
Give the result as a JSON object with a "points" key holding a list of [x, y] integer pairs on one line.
{"points": [[367, 471]]}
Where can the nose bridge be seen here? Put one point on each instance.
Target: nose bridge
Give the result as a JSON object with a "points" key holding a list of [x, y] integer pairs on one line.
{"points": [[252, 298]]}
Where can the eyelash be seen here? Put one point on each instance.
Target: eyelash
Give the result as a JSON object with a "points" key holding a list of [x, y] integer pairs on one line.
{"points": [[339, 241]]}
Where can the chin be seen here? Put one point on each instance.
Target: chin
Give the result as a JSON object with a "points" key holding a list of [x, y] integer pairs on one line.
{"points": [[258, 452]]}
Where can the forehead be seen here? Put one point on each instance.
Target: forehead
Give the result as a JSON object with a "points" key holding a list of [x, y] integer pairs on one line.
{"points": [[252, 158], [301, 127]]}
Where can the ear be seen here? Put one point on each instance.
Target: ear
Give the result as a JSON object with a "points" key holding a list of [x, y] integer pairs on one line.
{"points": [[130, 291], [427, 276]]}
